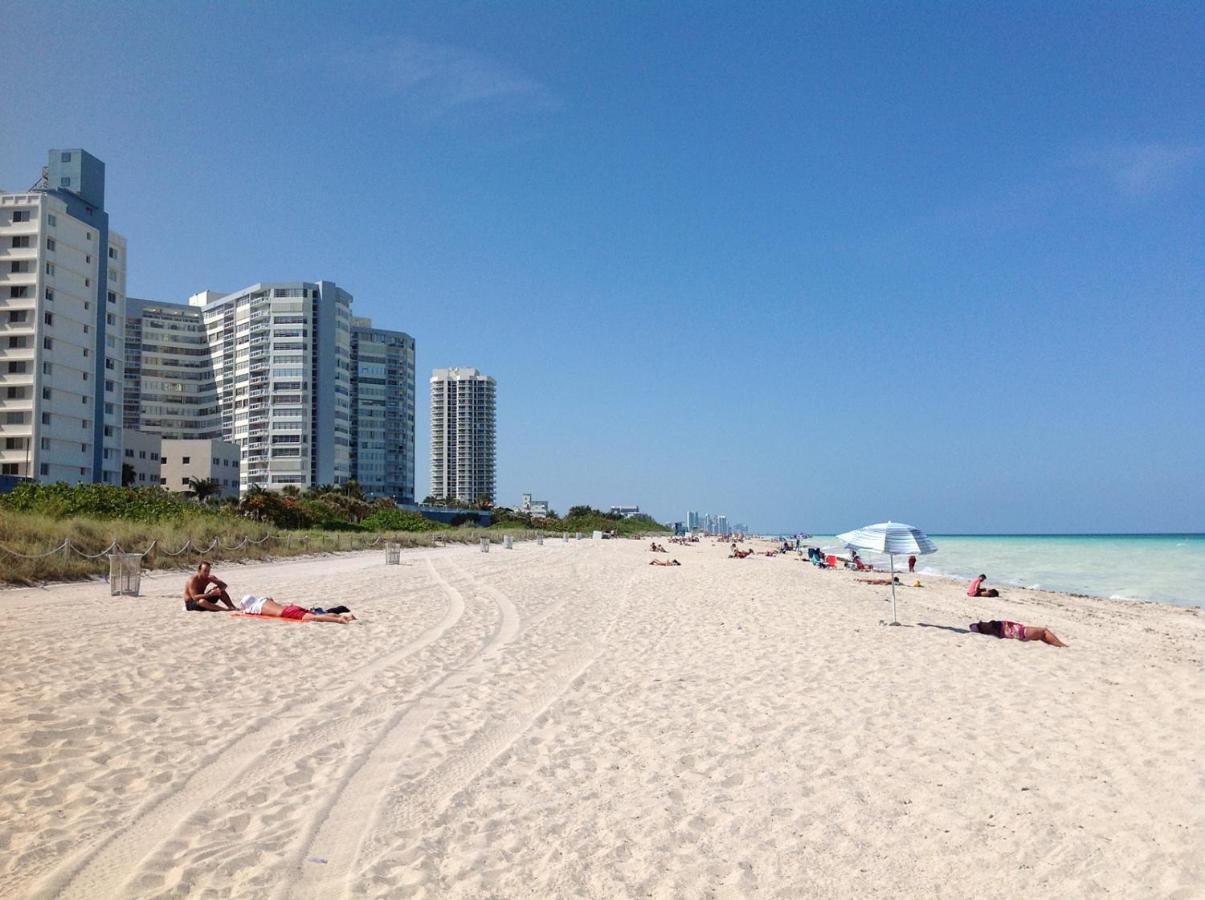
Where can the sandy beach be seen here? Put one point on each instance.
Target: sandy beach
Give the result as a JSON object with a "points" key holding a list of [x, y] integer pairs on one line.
{"points": [[566, 720]]}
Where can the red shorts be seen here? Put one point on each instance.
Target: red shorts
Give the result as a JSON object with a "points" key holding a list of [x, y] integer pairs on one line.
{"points": [[293, 612]]}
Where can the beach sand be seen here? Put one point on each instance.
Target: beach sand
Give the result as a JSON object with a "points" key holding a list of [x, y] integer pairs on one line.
{"points": [[567, 721]]}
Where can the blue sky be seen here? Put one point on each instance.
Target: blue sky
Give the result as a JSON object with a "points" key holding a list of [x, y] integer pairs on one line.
{"points": [[809, 265]]}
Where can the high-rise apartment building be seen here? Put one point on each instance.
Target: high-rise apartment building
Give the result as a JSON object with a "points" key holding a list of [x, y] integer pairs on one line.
{"points": [[382, 403], [462, 435], [62, 300], [281, 356], [169, 385]]}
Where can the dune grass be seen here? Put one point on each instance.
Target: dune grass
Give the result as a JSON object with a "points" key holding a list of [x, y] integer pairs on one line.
{"points": [[33, 534]]}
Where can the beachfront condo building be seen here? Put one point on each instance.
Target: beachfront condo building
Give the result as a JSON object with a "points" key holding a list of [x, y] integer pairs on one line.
{"points": [[382, 404], [462, 435], [281, 357], [62, 301], [169, 385]]}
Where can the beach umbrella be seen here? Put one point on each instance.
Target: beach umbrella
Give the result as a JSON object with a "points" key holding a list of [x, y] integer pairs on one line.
{"points": [[890, 538]]}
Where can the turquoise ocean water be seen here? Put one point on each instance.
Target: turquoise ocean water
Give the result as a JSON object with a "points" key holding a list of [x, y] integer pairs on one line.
{"points": [[1167, 568]]}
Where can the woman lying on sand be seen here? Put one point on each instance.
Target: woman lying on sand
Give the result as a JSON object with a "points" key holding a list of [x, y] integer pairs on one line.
{"points": [[664, 562], [1017, 631], [266, 606]]}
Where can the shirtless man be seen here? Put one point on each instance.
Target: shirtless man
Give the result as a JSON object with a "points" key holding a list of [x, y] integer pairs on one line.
{"points": [[199, 597]]}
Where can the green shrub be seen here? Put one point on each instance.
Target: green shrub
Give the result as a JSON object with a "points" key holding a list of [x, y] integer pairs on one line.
{"points": [[399, 520]]}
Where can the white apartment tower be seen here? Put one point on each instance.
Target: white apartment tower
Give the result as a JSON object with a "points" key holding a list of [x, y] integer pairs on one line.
{"points": [[62, 301], [281, 357], [462, 435], [169, 385]]}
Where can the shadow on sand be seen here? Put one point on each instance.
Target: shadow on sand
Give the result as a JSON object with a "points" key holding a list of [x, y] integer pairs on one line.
{"points": [[945, 628]]}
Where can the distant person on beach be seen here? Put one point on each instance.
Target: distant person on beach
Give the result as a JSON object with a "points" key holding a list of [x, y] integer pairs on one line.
{"points": [[664, 562], [199, 596], [266, 606], [1017, 631], [911, 564], [976, 588]]}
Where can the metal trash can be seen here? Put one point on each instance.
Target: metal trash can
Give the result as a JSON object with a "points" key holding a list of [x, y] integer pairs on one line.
{"points": [[565, 537], [577, 535], [125, 574], [539, 539], [485, 545], [393, 554], [508, 542]]}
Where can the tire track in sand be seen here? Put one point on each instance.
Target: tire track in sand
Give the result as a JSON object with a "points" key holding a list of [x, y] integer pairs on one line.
{"points": [[119, 858], [337, 828], [411, 807]]}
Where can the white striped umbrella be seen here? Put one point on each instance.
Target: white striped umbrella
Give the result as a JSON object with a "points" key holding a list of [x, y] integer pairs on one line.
{"points": [[890, 538]]}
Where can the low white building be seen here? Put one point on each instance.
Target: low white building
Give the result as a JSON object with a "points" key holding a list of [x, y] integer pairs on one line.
{"points": [[141, 453], [202, 459], [625, 511]]}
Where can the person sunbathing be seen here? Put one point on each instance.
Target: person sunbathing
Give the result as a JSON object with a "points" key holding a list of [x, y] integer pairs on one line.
{"points": [[1017, 631], [878, 580], [200, 597], [266, 606], [664, 562], [976, 588]]}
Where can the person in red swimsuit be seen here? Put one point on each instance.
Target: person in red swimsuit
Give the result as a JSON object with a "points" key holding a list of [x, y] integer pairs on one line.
{"points": [[1017, 631]]}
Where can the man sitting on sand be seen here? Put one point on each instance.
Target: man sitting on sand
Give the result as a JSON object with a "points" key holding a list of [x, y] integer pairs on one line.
{"points": [[266, 606], [976, 588], [1017, 631], [199, 597], [664, 562]]}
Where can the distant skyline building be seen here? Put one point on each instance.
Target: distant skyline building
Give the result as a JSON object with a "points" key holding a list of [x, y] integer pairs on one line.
{"points": [[62, 303], [625, 511], [382, 403], [169, 383], [709, 523], [537, 509], [463, 435], [281, 356]]}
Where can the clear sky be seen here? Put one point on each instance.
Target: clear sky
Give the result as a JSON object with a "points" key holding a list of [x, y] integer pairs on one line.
{"points": [[808, 265]]}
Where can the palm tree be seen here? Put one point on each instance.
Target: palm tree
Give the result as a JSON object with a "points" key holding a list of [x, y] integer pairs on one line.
{"points": [[203, 488]]}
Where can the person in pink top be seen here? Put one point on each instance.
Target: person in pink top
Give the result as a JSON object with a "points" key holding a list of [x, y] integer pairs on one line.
{"points": [[976, 588]]}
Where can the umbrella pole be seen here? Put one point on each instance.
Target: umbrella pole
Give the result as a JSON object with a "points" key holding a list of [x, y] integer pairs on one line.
{"points": [[894, 620]]}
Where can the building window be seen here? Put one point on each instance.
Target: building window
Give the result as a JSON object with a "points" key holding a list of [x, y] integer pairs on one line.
{"points": [[45, 393], [16, 342], [65, 181], [88, 237], [51, 220], [184, 481], [20, 240], [186, 460], [47, 368], [21, 215], [17, 315], [49, 243], [47, 343], [16, 418], [50, 294], [18, 290], [48, 318], [112, 253], [64, 157], [129, 453], [17, 367], [8, 469], [112, 297]]}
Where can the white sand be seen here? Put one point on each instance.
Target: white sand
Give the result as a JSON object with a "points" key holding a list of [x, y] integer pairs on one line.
{"points": [[567, 720]]}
